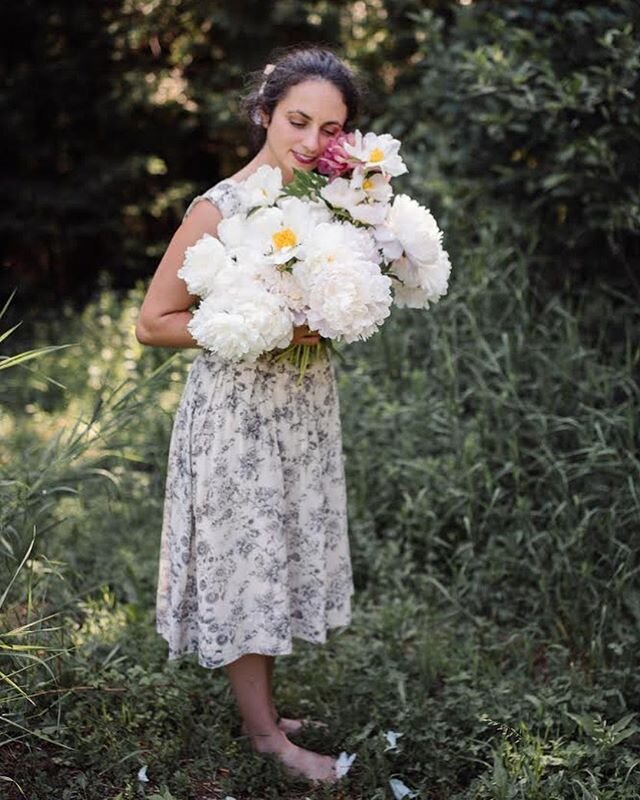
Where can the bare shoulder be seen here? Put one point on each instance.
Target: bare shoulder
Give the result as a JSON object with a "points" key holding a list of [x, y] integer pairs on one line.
{"points": [[202, 217]]}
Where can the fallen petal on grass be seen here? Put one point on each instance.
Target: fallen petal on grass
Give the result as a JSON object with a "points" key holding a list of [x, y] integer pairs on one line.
{"points": [[142, 774], [343, 763], [392, 738], [401, 790]]}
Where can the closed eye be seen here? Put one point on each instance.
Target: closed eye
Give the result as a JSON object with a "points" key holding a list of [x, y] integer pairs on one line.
{"points": [[303, 124]]}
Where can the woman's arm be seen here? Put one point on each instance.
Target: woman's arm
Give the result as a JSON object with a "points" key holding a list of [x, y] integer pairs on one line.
{"points": [[164, 313]]}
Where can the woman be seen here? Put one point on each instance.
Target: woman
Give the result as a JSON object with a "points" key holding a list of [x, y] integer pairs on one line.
{"points": [[254, 545]]}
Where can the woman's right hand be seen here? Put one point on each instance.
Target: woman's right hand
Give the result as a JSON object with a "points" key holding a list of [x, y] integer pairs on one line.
{"points": [[302, 335]]}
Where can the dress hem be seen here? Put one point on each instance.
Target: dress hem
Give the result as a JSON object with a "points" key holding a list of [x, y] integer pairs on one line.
{"points": [[257, 650]]}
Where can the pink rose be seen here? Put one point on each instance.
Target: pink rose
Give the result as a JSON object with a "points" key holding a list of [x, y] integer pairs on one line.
{"points": [[335, 161]]}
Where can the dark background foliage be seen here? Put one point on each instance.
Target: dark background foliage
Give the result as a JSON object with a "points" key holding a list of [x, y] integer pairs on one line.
{"points": [[116, 114]]}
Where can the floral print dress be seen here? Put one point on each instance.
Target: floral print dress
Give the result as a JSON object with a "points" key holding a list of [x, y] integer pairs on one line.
{"points": [[254, 548]]}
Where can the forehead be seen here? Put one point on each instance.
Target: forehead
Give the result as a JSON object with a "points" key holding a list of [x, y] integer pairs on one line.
{"points": [[318, 99]]}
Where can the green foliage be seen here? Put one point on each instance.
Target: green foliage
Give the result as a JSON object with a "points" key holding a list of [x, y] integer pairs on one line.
{"points": [[509, 431], [530, 107], [305, 184], [7, 362]]}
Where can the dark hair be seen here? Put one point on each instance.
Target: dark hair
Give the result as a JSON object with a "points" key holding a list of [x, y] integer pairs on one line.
{"points": [[288, 68]]}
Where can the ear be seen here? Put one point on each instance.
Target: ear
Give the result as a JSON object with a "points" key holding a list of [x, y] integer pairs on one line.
{"points": [[264, 119]]}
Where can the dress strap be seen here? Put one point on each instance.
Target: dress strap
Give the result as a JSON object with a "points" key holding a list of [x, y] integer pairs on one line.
{"points": [[224, 195]]}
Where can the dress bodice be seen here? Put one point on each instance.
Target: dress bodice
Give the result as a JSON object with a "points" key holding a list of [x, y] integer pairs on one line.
{"points": [[224, 195]]}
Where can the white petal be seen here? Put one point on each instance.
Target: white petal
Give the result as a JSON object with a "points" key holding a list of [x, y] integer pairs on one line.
{"points": [[392, 739], [262, 187], [343, 763], [142, 774], [370, 213], [401, 790], [341, 194]]}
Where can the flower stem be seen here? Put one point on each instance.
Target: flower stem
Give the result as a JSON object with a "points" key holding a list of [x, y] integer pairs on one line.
{"points": [[302, 355]]}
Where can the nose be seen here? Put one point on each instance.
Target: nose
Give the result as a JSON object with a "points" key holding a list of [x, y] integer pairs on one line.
{"points": [[311, 141]]}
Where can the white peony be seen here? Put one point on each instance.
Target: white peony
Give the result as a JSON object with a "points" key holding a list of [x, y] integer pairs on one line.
{"points": [[293, 260], [338, 241], [262, 187], [377, 152], [412, 242], [415, 228], [202, 263], [283, 284], [341, 194], [242, 323], [369, 213], [417, 287], [232, 231], [376, 186], [388, 243], [346, 295], [278, 233], [360, 197]]}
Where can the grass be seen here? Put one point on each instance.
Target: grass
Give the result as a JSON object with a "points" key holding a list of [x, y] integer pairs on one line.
{"points": [[491, 452]]}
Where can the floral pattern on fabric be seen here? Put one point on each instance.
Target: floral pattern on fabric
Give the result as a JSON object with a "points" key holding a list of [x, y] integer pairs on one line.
{"points": [[224, 195]]}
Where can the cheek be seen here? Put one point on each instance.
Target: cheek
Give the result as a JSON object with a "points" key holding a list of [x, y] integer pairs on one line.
{"points": [[286, 133]]}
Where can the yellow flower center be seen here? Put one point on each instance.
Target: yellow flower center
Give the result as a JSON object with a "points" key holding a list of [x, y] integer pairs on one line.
{"points": [[376, 155], [284, 238], [367, 184]]}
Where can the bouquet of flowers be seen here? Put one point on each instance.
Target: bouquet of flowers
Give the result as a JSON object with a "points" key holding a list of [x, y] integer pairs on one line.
{"points": [[333, 250]]}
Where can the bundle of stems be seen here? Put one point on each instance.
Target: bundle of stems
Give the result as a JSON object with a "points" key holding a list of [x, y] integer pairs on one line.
{"points": [[303, 355]]}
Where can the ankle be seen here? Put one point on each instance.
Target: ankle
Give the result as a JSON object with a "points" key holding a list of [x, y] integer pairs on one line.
{"points": [[271, 742]]}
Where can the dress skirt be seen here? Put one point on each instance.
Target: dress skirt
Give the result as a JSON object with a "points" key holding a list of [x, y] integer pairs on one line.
{"points": [[254, 548]]}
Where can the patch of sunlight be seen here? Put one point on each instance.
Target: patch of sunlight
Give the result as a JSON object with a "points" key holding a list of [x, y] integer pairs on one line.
{"points": [[156, 165], [104, 622], [171, 88]]}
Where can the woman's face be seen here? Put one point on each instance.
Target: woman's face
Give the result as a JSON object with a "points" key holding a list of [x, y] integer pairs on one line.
{"points": [[303, 122]]}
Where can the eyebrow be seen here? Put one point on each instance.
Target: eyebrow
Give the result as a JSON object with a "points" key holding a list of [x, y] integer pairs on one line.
{"points": [[306, 116]]}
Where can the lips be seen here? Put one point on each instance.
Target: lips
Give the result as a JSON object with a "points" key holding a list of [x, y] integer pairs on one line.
{"points": [[303, 159]]}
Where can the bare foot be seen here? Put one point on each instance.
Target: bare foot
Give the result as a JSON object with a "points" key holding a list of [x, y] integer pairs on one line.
{"points": [[296, 760], [292, 726]]}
